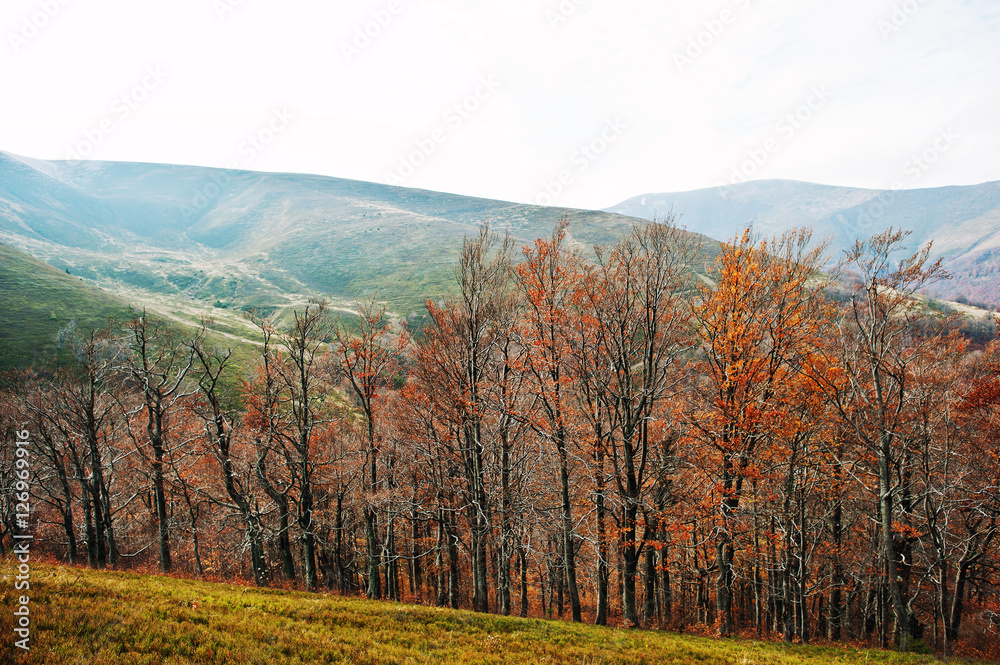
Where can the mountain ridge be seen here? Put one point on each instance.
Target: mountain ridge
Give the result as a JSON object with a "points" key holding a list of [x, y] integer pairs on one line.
{"points": [[961, 221], [246, 239], [254, 239]]}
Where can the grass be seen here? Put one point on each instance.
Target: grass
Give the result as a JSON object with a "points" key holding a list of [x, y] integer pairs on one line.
{"points": [[37, 300], [100, 617]]}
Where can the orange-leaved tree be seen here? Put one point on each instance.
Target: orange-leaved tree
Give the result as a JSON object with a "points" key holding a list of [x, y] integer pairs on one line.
{"points": [[754, 325]]}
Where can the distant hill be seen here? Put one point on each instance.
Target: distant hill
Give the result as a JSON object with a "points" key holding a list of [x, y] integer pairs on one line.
{"points": [[963, 222], [239, 238], [188, 241]]}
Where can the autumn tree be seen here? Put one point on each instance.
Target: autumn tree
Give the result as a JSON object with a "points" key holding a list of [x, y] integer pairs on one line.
{"points": [[453, 361], [879, 340], [550, 280], [265, 420], [221, 419], [366, 350], [754, 325], [633, 298]]}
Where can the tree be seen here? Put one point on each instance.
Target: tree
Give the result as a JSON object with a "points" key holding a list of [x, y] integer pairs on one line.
{"points": [[220, 423], [755, 325], [633, 299], [266, 424], [877, 347], [453, 360], [157, 361], [549, 280], [366, 355], [300, 377]]}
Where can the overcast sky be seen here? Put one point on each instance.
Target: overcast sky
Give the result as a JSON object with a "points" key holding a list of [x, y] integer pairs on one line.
{"points": [[575, 102]]}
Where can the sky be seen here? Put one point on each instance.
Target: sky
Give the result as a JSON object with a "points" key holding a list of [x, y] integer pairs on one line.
{"points": [[577, 103]]}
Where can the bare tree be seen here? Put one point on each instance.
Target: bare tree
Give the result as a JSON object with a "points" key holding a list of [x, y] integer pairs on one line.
{"points": [[220, 426], [366, 354], [639, 334], [877, 347], [157, 360]]}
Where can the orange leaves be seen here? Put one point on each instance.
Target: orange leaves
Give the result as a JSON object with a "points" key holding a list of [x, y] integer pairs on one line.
{"points": [[906, 530], [755, 326]]}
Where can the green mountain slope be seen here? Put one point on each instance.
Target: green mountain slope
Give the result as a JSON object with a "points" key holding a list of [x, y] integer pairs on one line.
{"points": [[238, 239], [38, 300]]}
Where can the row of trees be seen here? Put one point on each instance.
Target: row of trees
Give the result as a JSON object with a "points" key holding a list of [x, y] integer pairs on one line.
{"points": [[612, 436]]}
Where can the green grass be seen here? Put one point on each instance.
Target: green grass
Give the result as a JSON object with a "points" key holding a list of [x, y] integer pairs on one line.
{"points": [[84, 616], [37, 300]]}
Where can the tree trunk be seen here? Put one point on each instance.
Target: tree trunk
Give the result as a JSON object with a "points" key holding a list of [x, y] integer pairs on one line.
{"points": [[391, 563], [630, 564], [506, 535], [285, 541], [666, 594], [603, 574], [523, 562], [957, 601], [835, 620], [374, 553], [88, 521], [416, 570], [162, 519], [902, 631], [569, 551]]}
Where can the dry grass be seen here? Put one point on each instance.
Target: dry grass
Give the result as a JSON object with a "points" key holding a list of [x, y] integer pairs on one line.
{"points": [[98, 618]]}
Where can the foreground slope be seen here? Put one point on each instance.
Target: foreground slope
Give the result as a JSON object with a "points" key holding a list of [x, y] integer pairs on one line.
{"points": [[79, 615], [963, 222]]}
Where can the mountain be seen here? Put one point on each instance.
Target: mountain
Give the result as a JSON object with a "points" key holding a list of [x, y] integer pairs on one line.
{"points": [[188, 241], [241, 238], [963, 222]]}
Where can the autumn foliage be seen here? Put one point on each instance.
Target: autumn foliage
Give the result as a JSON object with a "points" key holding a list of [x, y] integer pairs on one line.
{"points": [[597, 433]]}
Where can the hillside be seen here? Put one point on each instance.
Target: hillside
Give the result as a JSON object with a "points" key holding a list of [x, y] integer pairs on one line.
{"points": [[104, 618], [963, 222], [38, 300], [235, 239], [189, 242]]}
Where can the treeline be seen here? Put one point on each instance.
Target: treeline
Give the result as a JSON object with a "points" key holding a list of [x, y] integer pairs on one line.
{"points": [[608, 437]]}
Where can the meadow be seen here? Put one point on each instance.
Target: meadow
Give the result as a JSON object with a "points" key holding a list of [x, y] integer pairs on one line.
{"points": [[110, 617]]}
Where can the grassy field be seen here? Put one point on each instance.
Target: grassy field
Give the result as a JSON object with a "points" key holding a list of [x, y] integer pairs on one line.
{"points": [[37, 300], [84, 616]]}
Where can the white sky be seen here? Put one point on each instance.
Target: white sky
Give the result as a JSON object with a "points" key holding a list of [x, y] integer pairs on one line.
{"points": [[887, 79]]}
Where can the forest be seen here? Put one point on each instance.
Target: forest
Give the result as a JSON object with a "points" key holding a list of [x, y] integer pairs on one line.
{"points": [[778, 446]]}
